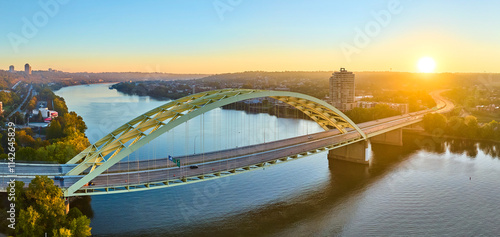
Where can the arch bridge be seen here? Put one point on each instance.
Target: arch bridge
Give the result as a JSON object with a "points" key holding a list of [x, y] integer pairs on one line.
{"points": [[99, 163]]}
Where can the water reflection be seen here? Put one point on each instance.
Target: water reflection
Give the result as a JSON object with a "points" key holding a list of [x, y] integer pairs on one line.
{"points": [[458, 146], [345, 179]]}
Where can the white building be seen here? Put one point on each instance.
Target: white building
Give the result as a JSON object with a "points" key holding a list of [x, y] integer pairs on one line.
{"points": [[47, 114]]}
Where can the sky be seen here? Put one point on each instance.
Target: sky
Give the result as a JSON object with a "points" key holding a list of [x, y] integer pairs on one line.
{"points": [[219, 36]]}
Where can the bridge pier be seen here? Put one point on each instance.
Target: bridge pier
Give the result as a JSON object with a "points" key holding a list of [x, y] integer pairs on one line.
{"points": [[66, 203], [359, 152], [394, 137]]}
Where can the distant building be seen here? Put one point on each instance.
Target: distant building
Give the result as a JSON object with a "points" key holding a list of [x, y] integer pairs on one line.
{"points": [[27, 69], [11, 68], [402, 108], [342, 90]]}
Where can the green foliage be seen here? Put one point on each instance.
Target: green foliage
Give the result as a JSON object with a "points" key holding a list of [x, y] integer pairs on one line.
{"points": [[26, 154], [46, 94], [29, 223], [360, 115], [434, 121], [39, 117], [62, 232], [79, 226], [59, 152], [32, 104], [72, 124], [18, 118], [9, 98], [60, 105], [66, 133], [54, 131], [45, 212], [467, 127]]}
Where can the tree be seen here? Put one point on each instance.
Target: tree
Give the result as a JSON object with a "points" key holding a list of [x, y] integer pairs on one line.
{"points": [[491, 130], [72, 124], [54, 130], [472, 129], [60, 105], [434, 121], [26, 153], [60, 152], [17, 118], [456, 126], [62, 232], [24, 138], [29, 222], [32, 104], [39, 117], [45, 212]]}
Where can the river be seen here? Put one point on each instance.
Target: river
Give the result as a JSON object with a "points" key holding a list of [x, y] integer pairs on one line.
{"points": [[430, 187]]}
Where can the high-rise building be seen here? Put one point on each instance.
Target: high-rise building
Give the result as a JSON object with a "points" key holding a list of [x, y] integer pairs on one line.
{"points": [[342, 90], [27, 69], [11, 68]]}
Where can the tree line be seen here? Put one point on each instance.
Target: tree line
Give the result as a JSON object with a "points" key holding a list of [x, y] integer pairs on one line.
{"points": [[467, 127]]}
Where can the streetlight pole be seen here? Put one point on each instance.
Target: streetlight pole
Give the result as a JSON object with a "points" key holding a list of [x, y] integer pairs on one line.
{"points": [[195, 144]]}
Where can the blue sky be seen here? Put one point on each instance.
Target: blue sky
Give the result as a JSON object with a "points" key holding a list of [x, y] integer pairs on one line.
{"points": [[193, 37]]}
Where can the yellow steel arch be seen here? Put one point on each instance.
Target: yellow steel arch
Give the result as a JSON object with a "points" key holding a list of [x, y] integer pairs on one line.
{"points": [[126, 139]]}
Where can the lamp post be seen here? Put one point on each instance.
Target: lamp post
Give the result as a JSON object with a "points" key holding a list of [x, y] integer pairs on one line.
{"points": [[195, 144]]}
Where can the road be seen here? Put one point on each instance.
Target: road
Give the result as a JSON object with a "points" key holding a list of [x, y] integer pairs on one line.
{"points": [[18, 109]]}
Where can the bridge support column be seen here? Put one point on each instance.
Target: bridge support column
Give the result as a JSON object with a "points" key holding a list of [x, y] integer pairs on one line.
{"points": [[358, 152], [66, 203], [394, 137]]}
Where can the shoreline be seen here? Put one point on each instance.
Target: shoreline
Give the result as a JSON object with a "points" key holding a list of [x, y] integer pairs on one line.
{"points": [[426, 134]]}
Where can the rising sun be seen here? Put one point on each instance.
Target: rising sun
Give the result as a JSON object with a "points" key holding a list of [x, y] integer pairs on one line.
{"points": [[426, 65]]}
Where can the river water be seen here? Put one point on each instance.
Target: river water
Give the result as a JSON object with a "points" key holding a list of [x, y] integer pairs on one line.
{"points": [[430, 186]]}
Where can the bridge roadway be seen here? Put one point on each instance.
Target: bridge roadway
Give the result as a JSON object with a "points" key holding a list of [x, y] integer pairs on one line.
{"points": [[144, 172]]}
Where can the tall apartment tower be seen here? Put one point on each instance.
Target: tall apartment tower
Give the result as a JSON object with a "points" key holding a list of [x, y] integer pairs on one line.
{"points": [[342, 90], [11, 68], [27, 69]]}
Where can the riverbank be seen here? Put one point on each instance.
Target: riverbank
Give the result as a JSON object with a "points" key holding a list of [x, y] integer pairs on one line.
{"points": [[426, 134]]}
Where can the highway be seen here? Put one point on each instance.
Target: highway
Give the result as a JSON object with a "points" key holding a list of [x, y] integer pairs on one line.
{"points": [[18, 109]]}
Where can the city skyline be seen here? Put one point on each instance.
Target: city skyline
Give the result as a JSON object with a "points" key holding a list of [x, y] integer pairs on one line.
{"points": [[233, 36]]}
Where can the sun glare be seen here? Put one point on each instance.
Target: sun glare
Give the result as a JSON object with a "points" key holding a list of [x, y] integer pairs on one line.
{"points": [[426, 65]]}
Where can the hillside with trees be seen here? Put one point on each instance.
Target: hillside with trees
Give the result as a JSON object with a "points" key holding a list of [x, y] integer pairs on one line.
{"points": [[65, 136]]}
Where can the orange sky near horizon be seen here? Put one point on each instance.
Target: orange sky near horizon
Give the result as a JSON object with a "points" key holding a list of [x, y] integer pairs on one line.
{"points": [[255, 36]]}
